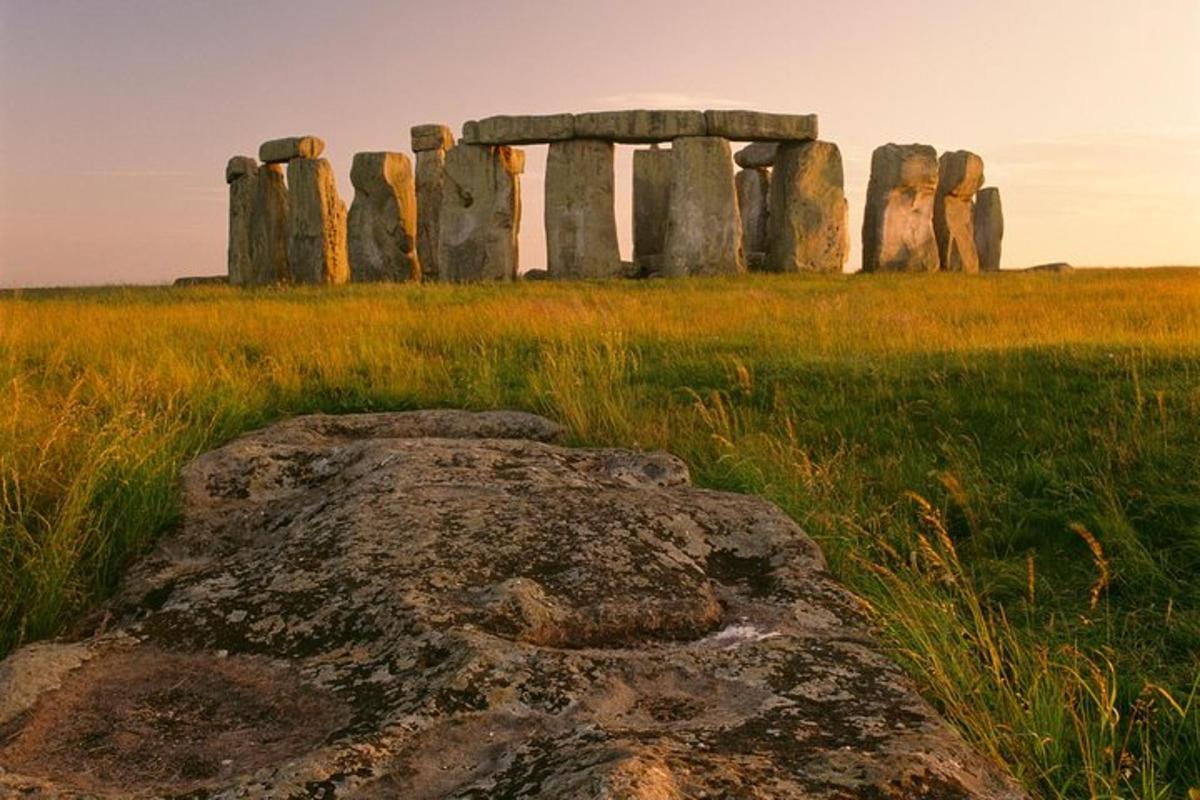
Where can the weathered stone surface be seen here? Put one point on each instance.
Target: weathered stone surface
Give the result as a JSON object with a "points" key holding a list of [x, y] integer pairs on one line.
{"points": [[809, 217], [651, 201], [704, 229], [382, 224], [269, 229], [960, 174], [242, 188], [508, 130], [239, 166], [431, 605], [433, 136], [756, 155], [988, 219], [430, 178], [756, 126], [753, 194], [316, 223], [581, 223], [898, 221], [639, 126], [281, 150], [481, 214]]}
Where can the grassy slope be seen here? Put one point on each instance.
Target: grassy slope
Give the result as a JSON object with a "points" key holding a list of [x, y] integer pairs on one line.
{"points": [[1006, 468]]}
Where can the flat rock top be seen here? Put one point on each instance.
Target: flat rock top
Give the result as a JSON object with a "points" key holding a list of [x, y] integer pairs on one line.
{"points": [[444, 604]]}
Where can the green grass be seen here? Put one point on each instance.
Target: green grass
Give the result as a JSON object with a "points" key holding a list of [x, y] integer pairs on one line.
{"points": [[1005, 468]]}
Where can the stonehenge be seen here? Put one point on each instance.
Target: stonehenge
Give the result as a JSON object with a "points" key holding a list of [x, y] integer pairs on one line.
{"points": [[809, 217], [581, 223], [960, 174], [988, 219], [453, 211], [382, 223]]}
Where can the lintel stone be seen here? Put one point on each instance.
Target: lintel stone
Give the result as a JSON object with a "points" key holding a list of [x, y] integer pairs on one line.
{"points": [[433, 136], [510, 130], [744, 126], [639, 126], [279, 150]]}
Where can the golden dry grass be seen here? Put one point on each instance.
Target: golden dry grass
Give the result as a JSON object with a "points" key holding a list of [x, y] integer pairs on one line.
{"points": [[944, 437]]}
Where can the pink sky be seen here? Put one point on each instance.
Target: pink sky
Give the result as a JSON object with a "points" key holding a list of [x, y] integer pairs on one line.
{"points": [[117, 117]]}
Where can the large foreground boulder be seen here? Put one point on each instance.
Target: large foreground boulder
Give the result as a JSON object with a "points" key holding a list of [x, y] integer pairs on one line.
{"points": [[444, 605]]}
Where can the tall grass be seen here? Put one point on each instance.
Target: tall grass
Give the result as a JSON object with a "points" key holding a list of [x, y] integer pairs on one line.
{"points": [[1006, 469]]}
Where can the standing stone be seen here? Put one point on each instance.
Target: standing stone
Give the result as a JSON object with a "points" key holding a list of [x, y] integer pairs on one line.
{"points": [[481, 214], [269, 228], [989, 228], [241, 173], [960, 174], [898, 221], [704, 230], [581, 223], [316, 223], [651, 205], [382, 225], [432, 136], [430, 143], [753, 194], [809, 217]]}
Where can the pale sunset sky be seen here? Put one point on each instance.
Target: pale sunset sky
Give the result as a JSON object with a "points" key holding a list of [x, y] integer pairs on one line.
{"points": [[117, 116]]}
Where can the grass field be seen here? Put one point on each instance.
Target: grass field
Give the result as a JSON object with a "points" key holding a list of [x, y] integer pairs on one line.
{"points": [[1006, 467]]}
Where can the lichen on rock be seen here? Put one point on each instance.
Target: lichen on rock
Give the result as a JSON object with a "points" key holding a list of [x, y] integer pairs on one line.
{"points": [[449, 605]]}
